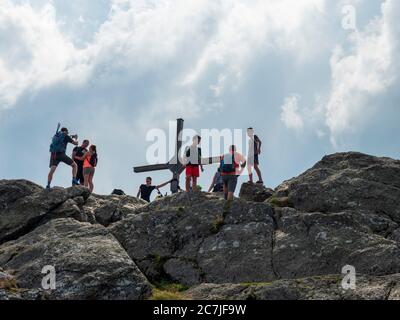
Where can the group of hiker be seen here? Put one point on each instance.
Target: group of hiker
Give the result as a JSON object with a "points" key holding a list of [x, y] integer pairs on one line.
{"points": [[84, 160], [225, 179]]}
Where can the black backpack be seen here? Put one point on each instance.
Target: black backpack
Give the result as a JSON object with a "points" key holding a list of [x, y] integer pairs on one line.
{"points": [[228, 166], [118, 192]]}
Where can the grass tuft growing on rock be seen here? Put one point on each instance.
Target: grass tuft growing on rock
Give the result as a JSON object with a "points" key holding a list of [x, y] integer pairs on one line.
{"points": [[280, 202], [9, 284], [217, 224], [169, 291]]}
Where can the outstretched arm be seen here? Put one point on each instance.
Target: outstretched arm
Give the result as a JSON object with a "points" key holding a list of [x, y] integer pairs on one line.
{"points": [[213, 183], [163, 184], [138, 194]]}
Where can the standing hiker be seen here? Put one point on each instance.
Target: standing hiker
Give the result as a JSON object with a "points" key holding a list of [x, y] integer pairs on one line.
{"points": [[77, 156], [217, 184], [145, 190], [232, 166], [58, 150], [253, 156], [193, 163], [90, 161]]}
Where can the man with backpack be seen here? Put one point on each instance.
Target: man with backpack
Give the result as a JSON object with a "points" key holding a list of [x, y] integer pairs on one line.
{"points": [[193, 164], [77, 156], [232, 166], [58, 149], [253, 156]]}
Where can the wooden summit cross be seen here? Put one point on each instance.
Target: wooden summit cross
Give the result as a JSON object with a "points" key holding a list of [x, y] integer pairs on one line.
{"points": [[175, 165]]}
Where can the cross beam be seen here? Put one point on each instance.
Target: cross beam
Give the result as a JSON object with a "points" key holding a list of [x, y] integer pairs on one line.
{"points": [[175, 165]]}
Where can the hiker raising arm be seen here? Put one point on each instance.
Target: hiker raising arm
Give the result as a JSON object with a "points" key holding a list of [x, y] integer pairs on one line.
{"points": [[58, 149]]}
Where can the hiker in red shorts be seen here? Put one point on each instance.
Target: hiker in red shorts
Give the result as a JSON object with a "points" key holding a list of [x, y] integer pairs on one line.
{"points": [[193, 164]]}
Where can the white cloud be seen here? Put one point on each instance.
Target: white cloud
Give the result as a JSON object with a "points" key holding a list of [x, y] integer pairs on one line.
{"points": [[34, 54], [367, 70], [204, 45], [290, 115], [142, 36]]}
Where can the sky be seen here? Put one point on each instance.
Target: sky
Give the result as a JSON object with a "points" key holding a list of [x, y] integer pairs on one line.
{"points": [[313, 77]]}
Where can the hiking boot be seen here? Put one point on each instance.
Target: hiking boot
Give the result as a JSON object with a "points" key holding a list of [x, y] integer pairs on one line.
{"points": [[48, 187], [75, 182]]}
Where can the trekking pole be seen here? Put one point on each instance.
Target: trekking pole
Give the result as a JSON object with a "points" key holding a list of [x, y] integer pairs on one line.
{"points": [[58, 127]]}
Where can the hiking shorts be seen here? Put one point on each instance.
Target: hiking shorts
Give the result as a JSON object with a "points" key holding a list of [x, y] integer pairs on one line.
{"points": [[88, 171], [56, 158], [252, 160], [230, 182], [79, 174], [193, 171]]}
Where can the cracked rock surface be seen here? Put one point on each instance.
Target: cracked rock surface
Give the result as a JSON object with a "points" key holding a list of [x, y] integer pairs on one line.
{"points": [[287, 243]]}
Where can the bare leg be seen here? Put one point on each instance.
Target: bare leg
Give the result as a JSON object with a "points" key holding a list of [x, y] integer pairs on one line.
{"points": [[257, 168], [74, 170], [86, 184], [225, 191], [194, 183], [91, 186], [51, 173], [188, 179], [250, 169]]}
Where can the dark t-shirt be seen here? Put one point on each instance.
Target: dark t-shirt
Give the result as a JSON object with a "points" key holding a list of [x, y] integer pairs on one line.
{"points": [[145, 192], [79, 152]]}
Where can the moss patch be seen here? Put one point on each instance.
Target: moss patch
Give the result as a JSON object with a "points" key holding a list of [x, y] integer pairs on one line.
{"points": [[280, 202], [169, 291]]}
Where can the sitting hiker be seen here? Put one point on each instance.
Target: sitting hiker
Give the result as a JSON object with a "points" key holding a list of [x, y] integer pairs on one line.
{"points": [[217, 185], [145, 190], [193, 164], [253, 156], [77, 156], [58, 150], [232, 166], [90, 161]]}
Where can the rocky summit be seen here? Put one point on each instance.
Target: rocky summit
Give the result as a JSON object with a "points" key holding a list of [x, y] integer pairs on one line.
{"points": [[287, 243]]}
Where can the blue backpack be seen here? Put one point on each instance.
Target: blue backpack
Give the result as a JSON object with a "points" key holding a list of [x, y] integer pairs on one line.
{"points": [[228, 166], [58, 143]]}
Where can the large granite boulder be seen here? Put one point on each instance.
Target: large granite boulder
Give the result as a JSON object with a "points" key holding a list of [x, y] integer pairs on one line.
{"points": [[255, 192], [88, 260], [311, 244], [192, 238], [109, 209], [315, 288], [347, 181], [25, 205]]}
